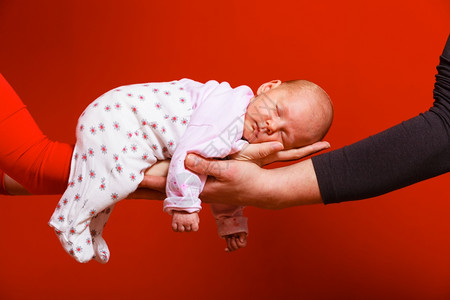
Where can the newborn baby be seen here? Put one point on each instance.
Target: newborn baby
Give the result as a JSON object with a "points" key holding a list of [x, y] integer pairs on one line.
{"points": [[128, 129]]}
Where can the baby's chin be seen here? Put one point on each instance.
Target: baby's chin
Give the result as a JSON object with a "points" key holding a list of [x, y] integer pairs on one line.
{"points": [[246, 135], [251, 138]]}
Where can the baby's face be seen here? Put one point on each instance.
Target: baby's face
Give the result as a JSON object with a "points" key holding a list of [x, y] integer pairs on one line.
{"points": [[275, 116]]}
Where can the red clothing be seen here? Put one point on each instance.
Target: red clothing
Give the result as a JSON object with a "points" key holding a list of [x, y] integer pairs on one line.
{"points": [[26, 154]]}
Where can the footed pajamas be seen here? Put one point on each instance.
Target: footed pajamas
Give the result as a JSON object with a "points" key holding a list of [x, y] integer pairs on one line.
{"points": [[128, 129]]}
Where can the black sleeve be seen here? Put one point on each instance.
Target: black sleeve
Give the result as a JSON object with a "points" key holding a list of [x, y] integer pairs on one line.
{"points": [[412, 151]]}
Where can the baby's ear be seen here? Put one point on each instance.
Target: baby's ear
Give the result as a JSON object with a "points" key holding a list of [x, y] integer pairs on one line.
{"points": [[268, 86]]}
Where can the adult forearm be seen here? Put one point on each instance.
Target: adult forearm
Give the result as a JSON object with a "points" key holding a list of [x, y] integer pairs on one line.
{"points": [[290, 186]]}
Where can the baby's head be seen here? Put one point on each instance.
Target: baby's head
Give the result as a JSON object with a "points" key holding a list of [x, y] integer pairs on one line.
{"points": [[296, 113]]}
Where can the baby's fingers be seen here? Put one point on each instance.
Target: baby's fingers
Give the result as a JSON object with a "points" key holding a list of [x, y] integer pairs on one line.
{"points": [[177, 227], [241, 241]]}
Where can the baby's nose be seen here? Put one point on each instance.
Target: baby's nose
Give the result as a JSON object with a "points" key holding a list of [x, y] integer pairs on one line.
{"points": [[271, 126]]}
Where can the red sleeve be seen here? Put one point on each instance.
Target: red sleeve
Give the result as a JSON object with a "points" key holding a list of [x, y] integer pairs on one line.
{"points": [[26, 154]]}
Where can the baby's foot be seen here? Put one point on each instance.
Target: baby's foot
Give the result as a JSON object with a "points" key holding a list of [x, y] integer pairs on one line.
{"points": [[97, 225], [78, 243], [183, 221]]}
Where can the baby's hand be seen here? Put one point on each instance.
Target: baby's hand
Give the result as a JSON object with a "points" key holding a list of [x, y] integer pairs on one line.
{"points": [[184, 221], [236, 241]]}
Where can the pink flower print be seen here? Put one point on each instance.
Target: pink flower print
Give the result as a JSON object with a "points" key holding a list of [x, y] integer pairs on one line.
{"points": [[154, 125], [65, 201], [103, 148], [166, 117], [107, 108], [117, 90], [92, 212], [71, 184], [163, 130], [155, 147], [164, 149], [58, 232], [81, 127], [119, 168], [144, 136], [167, 93], [155, 91], [72, 230], [116, 125], [114, 196], [182, 100], [171, 143], [145, 84], [144, 156], [80, 178], [61, 218], [84, 157], [102, 186], [124, 149], [93, 130], [77, 197], [184, 122], [142, 98], [144, 122], [78, 249], [134, 109], [88, 241], [95, 104], [91, 152], [104, 255], [129, 134], [76, 156], [101, 127], [58, 206], [181, 89], [132, 177], [71, 252], [158, 105], [130, 95], [92, 174], [117, 106], [173, 83], [133, 148], [174, 119], [116, 157], [136, 133]]}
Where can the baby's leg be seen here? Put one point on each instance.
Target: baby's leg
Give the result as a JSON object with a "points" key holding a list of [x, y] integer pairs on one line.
{"points": [[107, 166]]}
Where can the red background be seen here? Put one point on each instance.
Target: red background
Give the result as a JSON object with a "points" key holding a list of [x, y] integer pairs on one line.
{"points": [[375, 58]]}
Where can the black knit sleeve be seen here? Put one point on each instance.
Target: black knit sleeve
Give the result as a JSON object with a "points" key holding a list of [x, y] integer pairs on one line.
{"points": [[412, 151]]}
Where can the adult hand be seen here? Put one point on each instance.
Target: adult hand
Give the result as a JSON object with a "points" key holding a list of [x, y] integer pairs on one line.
{"points": [[269, 152], [261, 154], [226, 179], [246, 184]]}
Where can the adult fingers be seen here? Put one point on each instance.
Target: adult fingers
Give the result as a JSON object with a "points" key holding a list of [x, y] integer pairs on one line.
{"points": [[297, 153], [154, 183], [256, 152], [205, 166]]}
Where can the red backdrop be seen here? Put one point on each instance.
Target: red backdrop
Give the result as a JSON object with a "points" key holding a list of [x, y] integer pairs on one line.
{"points": [[375, 58]]}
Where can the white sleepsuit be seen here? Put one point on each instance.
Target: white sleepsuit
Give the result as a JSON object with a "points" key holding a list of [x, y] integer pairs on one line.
{"points": [[127, 130]]}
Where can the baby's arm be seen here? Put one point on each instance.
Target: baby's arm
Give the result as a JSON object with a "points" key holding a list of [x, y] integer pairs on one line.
{"points": [[231, 225]]}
